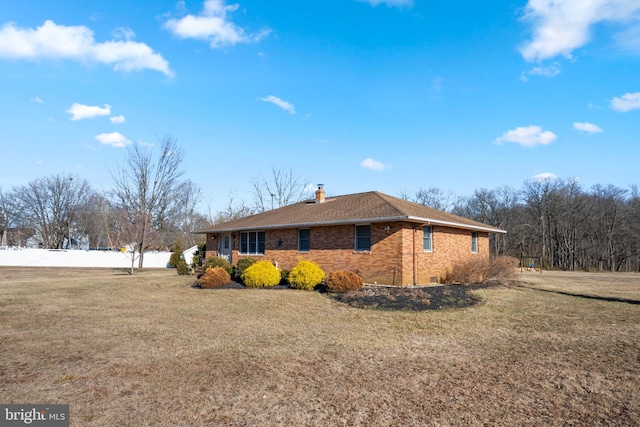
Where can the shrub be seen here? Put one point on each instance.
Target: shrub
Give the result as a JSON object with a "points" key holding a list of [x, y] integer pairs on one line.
{"points": [[343, 281], [183, 268], [217, 261], [241, 266], [305, 275], [480, 269], [176, 255], [214, 278], [284, 276], [261, 274]]}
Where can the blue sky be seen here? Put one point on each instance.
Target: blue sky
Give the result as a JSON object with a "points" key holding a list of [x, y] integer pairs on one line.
{"points": [[358, 95]]}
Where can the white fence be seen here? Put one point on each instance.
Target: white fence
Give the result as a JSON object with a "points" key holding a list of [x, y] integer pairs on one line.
{"points": [[78, 258]]}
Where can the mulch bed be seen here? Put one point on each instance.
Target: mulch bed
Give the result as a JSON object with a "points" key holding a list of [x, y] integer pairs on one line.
{"points": [[397, 298], [411, 299]]}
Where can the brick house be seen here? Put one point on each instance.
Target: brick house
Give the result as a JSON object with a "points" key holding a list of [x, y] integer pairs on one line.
{"points": [[385, 239]]}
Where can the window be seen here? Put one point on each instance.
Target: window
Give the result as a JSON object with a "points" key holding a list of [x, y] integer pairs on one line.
{"points": [[427, 239], [474, 242], [363, 238], [304, 240], [252, 242]]}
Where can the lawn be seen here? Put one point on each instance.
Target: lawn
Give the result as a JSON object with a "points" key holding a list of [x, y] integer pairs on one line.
{"points": [[149, 350]]}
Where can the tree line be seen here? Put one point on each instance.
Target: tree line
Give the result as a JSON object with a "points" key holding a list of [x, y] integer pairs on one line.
{"points": [[568, 226], [151, 206]]}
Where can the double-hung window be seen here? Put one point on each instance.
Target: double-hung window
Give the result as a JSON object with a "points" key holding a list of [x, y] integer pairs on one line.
{"points": [[363, 238], [252, 242], [474, 242], [427, 239], [304, 240]]}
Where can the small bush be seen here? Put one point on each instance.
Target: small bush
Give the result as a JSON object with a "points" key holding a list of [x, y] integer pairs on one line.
{"points": [[480, 269], [305, 275], [214, 278], [261, 274], [284, 276], [241, 266], [183, 268], [343, 281], [217, 261], [176, 255]]}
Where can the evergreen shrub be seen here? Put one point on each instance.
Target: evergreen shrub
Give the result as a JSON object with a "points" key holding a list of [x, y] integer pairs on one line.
{"points": [[241, 266], [176, 255], [183, 268], [261, 274], [216, 261], [214, 278], [305, 275], [343, 281]]}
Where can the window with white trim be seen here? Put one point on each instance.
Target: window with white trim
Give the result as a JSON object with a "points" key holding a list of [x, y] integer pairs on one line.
{"points": [[304, 239], [474, 242], [252, 242], [427, 239], [363, 238]]}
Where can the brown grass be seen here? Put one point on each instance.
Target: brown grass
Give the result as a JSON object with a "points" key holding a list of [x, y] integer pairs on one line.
{"points": [[148, 350]]}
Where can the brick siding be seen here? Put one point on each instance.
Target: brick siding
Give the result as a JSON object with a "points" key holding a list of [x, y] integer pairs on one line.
{"points": [[391, 259]]}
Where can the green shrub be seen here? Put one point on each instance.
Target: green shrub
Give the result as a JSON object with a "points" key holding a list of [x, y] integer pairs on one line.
{"points": [[241, 266], [343, 281], [176, 255], [214, 278], [305, 275], [480, 269], [284, 277], [183, 268], [261, 274], [216, 261]]}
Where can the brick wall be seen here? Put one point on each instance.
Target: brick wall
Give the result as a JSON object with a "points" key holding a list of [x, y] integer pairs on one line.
{"points": [[392, 257]]}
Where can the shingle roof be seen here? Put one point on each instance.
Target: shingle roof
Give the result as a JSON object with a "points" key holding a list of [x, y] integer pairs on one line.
{"points": [[366, 207]]}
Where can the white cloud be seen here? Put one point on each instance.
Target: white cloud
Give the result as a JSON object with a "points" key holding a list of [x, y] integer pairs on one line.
{"points": [[213, 25], [114, 139], [587, 127], [79, 111], [389, 3], [545, 176], [122, 33], [38, 100], [528, 136], [280, 103], [561, 26], [626, 102], [76, 43], [117, 119], [373, 164], [548, 71], [436, 84]]}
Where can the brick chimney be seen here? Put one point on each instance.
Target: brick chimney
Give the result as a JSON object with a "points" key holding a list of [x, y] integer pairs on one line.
{"points": [[320, 194]]}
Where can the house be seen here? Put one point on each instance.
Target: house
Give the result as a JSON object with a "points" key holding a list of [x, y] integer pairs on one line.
{"points": [[385, 239]]}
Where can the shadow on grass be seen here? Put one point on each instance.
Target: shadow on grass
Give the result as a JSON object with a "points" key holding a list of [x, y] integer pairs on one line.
{"points": [[596, 297]]}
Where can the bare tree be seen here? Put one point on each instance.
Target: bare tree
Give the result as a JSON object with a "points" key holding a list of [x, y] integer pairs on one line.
{"points": [[150, 189], [50, 206], [433, 197], [284, 187], [233, 210], [8, 214]]}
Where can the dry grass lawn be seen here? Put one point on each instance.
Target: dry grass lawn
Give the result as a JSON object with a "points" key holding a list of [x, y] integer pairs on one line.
{"points": [[148, 350]]}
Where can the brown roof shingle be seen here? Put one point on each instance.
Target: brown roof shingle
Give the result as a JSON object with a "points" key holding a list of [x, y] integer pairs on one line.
{"points": [[348, 209]]}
